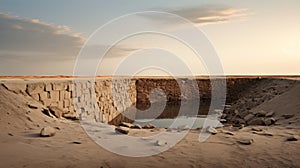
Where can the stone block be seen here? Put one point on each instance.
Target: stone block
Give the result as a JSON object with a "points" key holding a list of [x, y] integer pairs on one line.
{"points": [[43, 96], [67, 95], [54, 96], [59, 86], [61, 104], [35, 88], [66, 103], [36, 97], [48, 87], [61, 95]]}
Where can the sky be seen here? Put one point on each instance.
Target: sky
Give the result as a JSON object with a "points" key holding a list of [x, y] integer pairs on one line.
{"points": [[250, 37]]}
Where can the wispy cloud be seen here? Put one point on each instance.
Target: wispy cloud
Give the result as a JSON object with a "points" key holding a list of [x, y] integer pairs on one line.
{"points": [[212, 14], [23, 38]]}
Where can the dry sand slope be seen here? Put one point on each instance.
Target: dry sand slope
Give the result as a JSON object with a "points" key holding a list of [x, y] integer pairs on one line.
{"points": [[21, 146]]}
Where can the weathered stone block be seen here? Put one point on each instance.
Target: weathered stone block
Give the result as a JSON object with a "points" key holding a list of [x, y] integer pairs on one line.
{"points": [[67, 95], [48, 87], [61, 95], [46, 102], [66, 103], [54, 96], [59, 86], [43, 96], [35, 97], [35, 88]]}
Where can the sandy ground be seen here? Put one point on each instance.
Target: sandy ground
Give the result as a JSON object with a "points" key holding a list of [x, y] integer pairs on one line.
{"points": [[21, 145]]}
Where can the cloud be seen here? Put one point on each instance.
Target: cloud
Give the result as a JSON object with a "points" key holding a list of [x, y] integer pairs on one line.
{"points": [[203, 15], [211, 14], [26, 39]]}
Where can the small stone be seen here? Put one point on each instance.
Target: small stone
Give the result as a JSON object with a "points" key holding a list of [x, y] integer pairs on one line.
{"points": [[10, 134], [248, 117], [148, 126], [263, 133], [260, 113], [287, 116], [125, 124], [245, 141], [76, 142], [256, 121], [228, 133], [32, 106], [293, 138], [71, 116], [47, 132], [137, 126], [269, 121], [123, 130], [211, 130], [257, 129], [161, 142], [270, 114]]}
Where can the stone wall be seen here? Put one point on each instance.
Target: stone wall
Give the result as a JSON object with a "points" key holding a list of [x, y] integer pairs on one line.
{"points": [[83, 99]]}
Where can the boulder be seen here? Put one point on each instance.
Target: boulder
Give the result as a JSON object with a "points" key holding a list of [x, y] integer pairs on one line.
{"points": [[47, 132], [287, 116], [211, 130], [269, 121], [248, 117], [260, 113], [148, 126], [245, 141], [123, 130], [161, 142], [262, 133], [270, 114], [137, 126], [256, 121], [56, 111], [293, 138], [125, 124]]}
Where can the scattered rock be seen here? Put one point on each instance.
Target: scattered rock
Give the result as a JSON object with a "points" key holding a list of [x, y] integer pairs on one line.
{"points": [[10, 134], [228, 132], [137, 126], [211, 130], [287, 116], [263, 133], [256, 121], [76, 142], [148, 126], [245, 141], [56, 111], [293, 138], [161, 142], [260, 113], [32, 106], [269, 121], [125, 124], [123, 130], [270, 114], [248, 117], [47, 132], [71, 116], [256, 129]]}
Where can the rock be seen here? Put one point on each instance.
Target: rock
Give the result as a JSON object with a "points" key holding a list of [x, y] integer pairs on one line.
{"points": [[148, 126], [256, 129], [32, 106], [183, 128], [260, 113], [270, 114], [245, 141], [47, 132], [211, 130], [269, 121], [56, 111], [71, 116], [248, 117], [256, 121], [125, 124], [263, 133], [76, 142], [161, 142], [293, 138], [287, 116], [228, 132], [137, 126], [123, 130]]}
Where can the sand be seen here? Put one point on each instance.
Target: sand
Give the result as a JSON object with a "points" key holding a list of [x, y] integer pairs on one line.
{"points": [[21, 145]]}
